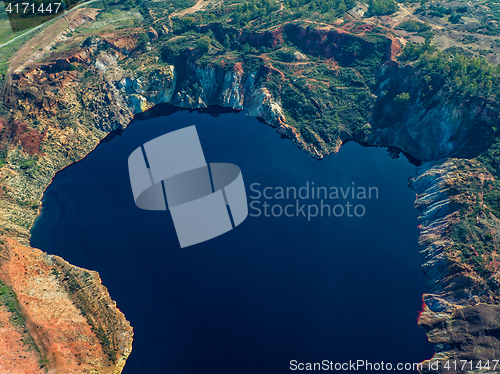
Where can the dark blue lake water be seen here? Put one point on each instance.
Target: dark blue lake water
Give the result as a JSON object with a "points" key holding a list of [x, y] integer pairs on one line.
{"points": [[272, 290]]}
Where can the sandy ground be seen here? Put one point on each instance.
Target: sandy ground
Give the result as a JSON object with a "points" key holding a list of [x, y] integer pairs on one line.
{"points": [[15, 357], [200, 4]]}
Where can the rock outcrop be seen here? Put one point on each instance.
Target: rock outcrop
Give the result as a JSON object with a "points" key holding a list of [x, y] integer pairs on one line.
{"points": [[57, 317], [461, 312]]}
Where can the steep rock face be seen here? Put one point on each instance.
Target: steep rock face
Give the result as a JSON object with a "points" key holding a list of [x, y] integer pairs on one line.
{"points": [[434, 123], [68, 115], [330, 42], [154, 88], [460, 317], [326, 42], [437, 200], [66, 318], [207, 86], [270, 38], [469, 333], [214, 86]]}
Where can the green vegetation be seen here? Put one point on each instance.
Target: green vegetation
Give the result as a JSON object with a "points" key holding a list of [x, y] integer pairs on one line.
{"points": [[455, 17], [460, 51], [492, 199], [318, 101], [27, 164], [203, 44], [7, 52], [5, 29], [181, 4], [469, 39], [413, 26], [248, 11], [473, 240], [31, 204], [8, 299], [491, 158], [267, 13], [402, 99], [381, 7], [73, 67], [143, 41], [3, 156], [489, 26], [469, 77], [115, 16], [438, 11]]}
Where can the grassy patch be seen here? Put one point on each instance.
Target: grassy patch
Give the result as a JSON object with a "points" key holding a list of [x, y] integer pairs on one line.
{"points": [[113, 17], [471, 78]]}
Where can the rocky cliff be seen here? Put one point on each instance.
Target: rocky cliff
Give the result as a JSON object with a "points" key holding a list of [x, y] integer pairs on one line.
{"points": [[454, 127], [460, 313]]}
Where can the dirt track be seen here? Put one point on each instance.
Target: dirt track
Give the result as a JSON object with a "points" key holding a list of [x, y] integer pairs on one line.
{"points": [[38, 46], [200, 4]]}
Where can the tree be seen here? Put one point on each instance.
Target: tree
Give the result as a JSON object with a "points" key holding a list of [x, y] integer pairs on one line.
{"points": [[455, 17], [186, 23], [203, 44], [226, 43], [381, 7], [143, 41], [402, 99]]}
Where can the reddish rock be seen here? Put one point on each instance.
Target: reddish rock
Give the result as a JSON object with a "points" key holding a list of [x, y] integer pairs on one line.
{"points": [[17, 132]]}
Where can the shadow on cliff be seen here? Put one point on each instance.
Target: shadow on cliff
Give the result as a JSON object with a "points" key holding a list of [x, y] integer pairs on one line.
{"points": [[420, 114]]}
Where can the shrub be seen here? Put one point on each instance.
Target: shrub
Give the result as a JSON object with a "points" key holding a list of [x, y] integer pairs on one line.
{"points": [[143, 41], [203, 44], [402, 99], [27, 164], [455, 18], [413, 26], [381, 7]]}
